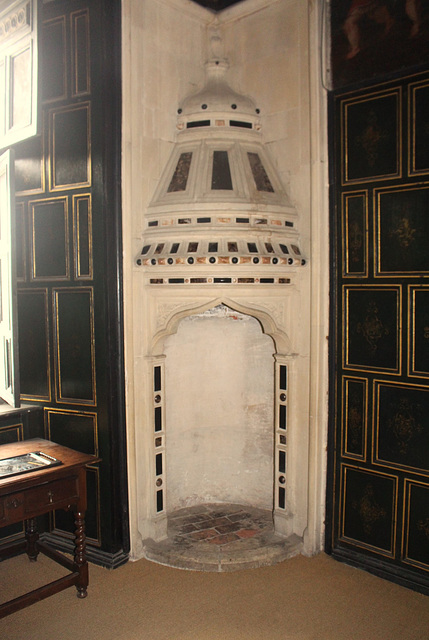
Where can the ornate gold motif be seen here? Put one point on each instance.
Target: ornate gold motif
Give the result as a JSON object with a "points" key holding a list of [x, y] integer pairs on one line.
{"points": [[355, 241], [403, 232], [404, 424], [12, 22], [423, 525], [355, 427], [369, 509], [371, 138], [426, 333], [372, 328]]}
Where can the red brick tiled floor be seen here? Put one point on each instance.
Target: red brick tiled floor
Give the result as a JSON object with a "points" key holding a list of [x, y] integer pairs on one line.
{"points": [[221, 537]]}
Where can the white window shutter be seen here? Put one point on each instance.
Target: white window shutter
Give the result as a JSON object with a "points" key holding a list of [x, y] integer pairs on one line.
{"points": [[18, 71], [9, 376]]}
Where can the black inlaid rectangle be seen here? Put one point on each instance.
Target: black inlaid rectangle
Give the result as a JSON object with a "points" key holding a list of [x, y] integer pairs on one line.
{"points": [[283, 377], [157, 378], [34, 351], [80, 52], [82, 226], [221, 174], [74, 341], [70, 147], [159, 500], [158, 418], [53, 58], [282, 416], [282, 498], [158, 464], [50, 238]]}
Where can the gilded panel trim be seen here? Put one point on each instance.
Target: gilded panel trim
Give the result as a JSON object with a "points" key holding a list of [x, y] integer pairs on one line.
{"points": [[33, 206], [416, 137], [54, 114], [48, 397], [21, 252], [92, 416], [354, 421], [61, 21], [372, 138], [401, 230], [418, 336], [403, 419], [80, 49], [60, 397], [373, 330], [15, 433], [421, 527], [368, 509], [81, 235], [354, 236]]}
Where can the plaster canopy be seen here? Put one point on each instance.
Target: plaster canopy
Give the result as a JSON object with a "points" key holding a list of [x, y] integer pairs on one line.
{"points": [[220, 200]]}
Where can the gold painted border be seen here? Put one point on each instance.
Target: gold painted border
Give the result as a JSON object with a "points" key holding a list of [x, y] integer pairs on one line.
{"points": [[74, 16], [62, 20], [406, 525], [344, 421], [47, 398], [53, 186], [76, 237], [22, 206], [344, 128], [57, 364], [375, 437], [18, 427], [345, 328], [377, 210], [85, 414], [345, 235], [412, 290], [412, 89], [32, 206], [342, 502]]}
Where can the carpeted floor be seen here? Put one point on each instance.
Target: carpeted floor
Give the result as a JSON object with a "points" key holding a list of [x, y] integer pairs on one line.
{"points": [[298, 599]]}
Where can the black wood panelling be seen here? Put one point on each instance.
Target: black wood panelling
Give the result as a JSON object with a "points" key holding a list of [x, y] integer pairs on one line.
{"points": [[379, 490]]}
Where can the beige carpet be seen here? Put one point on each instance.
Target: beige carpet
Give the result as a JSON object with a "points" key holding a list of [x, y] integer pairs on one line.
{"points": [[299, 599]]}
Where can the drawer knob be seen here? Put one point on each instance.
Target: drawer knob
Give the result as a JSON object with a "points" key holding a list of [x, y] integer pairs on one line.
{"points": [[14, 503], [51, 497]]}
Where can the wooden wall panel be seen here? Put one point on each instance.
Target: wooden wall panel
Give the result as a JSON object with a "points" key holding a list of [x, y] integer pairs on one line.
{"points": [[378, 496]]}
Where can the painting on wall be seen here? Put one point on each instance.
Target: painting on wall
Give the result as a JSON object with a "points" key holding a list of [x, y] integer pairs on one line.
{"points": [[374, 37]]}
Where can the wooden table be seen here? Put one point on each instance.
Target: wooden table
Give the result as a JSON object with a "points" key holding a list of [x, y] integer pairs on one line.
{"points": [[28, 495]]}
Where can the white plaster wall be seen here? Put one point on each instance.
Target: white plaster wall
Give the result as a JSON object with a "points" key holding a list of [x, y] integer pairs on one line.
{"points": [[219, 376], [273, 47]]}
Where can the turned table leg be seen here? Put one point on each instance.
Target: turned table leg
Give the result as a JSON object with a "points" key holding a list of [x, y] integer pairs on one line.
{"points": [[32, 536], [80, 556]]}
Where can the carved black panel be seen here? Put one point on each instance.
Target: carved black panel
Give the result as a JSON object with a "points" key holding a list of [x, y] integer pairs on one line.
{"points": [[402, 230], [372, 330], [49, 227], [379, 410], [354, 417], [53, 54], [402, 426], [419, 331], [355, 234], [29, 166], [416, 538], [371, 137], [419, 131], [68, 427], [34, 350], [70, 147], [74, 341], [369, 509]]}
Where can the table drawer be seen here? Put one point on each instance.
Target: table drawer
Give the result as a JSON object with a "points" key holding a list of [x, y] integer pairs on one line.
{"points": [[12, 508], [51, 495]]}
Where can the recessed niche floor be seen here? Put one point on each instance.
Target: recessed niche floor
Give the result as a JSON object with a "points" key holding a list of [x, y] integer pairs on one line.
{"points": [[221, 537]]}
